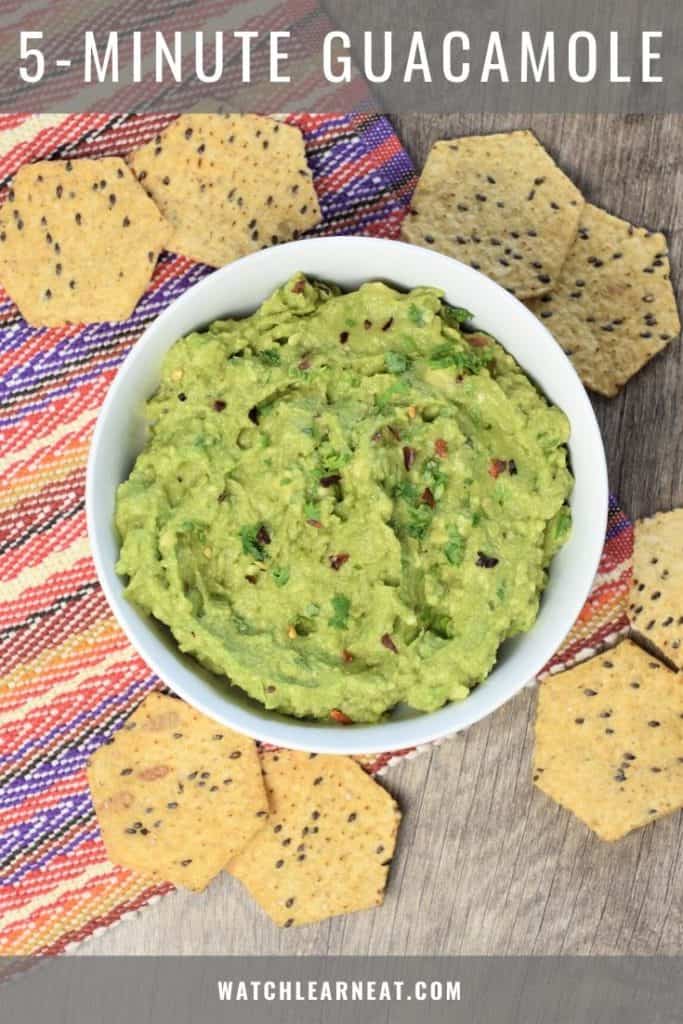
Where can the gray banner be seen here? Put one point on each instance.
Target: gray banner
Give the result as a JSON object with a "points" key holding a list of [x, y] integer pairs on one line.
{"points": [[484, 990], [500, 56]]}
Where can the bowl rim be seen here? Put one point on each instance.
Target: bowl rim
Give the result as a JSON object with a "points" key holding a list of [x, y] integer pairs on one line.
{"points": [[382, 737]]}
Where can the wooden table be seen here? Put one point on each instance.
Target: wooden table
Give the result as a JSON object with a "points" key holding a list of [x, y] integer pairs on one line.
{"points": [[486, 863]]}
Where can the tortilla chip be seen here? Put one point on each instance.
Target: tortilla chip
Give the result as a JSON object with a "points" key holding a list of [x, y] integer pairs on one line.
{"points": [[228, 185], [79, 240], [176, 794], [609, 740], [328, 844], [499, 203], [613, 307], [656, 601]]}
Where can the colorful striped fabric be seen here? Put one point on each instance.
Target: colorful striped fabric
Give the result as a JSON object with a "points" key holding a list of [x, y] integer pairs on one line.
{"points": [[68, 677], [603, 618]]}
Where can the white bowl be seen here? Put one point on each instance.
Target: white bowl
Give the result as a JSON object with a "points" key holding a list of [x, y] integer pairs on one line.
{"points": [[238, 289]]}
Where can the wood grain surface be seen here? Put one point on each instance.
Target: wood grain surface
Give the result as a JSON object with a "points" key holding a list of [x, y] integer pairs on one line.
{"points": [[486, 863]]}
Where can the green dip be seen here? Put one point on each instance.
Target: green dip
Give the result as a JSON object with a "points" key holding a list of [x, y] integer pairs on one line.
{"points": [[346, 501]]}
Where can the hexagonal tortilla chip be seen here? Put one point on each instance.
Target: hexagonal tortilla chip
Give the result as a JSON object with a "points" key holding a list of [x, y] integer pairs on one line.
{"points": [[609, 740], [79, 240], [176, 794], [499, 203], [228, 185], [613, 307], [656, 601], [328, 844]]}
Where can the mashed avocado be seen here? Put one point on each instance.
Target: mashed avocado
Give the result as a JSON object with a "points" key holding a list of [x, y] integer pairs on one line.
{"points": [[346, 500]]}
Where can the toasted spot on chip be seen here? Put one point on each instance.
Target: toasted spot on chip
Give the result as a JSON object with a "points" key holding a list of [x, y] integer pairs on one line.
{"points": [[499, 203], [609, 740], [613, 307], [176, 794], [327, 847], [228, 185], [656, 598], [79, 240]]}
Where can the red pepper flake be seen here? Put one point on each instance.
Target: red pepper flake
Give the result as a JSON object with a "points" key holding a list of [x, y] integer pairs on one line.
{"points": [[441, 447], [389, 643], [339, 716], [387, 325], [408, 457], [336, 561], [305, 364], [315, 522], [496, 467], [477, 340], [330, 481], [428, 498], [347, 656], [219, 405], [299, 286], [263, 537], [343, 337], [251, 579], [377, 437]]}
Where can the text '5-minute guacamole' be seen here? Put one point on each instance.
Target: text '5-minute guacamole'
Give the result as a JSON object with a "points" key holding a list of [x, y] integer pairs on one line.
{"points": [[345, 501]]}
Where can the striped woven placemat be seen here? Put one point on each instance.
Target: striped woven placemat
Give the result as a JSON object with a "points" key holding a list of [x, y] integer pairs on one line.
{"points": [[68, 676]]}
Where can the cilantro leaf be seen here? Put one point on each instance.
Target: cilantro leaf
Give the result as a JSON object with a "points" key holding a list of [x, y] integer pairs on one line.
{"points": [[448, 355], [563, 522], [419, 521], [434, 476], [405, 490], [270, 357], [331, 460], [341, 606], [455, 549], [280, 574], [311, 510], [396, 362], [455, 315], [250, 544]]}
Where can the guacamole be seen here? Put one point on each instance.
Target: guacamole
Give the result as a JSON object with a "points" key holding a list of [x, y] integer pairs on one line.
{"points": [[346, 500]]}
